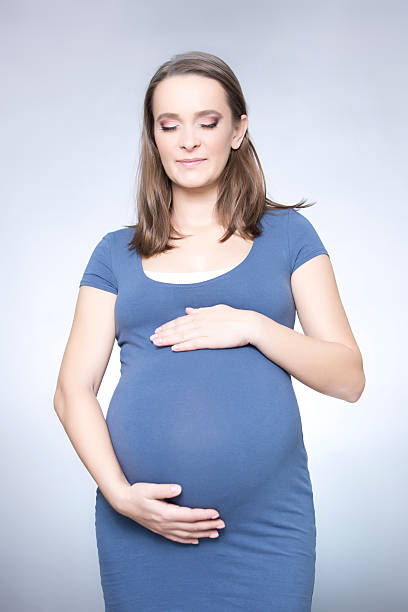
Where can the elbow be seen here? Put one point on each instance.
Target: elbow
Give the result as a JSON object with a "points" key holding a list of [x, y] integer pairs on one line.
{"points": [[68, 394], [354, 398], [356, 379], [58, 401], [357, 392]]}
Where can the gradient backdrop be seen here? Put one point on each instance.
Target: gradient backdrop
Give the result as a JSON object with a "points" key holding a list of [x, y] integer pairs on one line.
{"points": [[326, 88]]}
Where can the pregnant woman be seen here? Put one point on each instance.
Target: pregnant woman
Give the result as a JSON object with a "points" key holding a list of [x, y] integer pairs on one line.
{"points": [[202, 442]]}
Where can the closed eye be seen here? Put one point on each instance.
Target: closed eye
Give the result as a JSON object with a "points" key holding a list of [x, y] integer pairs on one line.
{"points": [[211, 125]]}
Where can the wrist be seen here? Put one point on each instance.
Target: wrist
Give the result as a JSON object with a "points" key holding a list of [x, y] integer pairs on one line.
{"points": [[254, 326], [117, 495]]}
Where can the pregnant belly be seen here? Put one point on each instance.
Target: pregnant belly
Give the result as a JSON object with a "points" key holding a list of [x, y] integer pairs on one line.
{"points": [[219, 423]]}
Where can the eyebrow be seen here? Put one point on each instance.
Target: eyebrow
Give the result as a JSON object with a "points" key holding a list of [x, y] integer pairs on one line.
{"points": [[207, 111]]}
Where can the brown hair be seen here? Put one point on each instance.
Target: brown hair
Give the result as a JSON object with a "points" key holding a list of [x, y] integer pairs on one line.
{"points": [[242, 181]]}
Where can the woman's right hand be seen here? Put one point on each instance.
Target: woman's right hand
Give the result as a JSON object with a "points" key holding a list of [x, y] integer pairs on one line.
{"points": [[144, 503]]}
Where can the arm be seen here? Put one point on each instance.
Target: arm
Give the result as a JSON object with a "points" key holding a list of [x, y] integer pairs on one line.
{"points": [[84, 363], [326, 357]]}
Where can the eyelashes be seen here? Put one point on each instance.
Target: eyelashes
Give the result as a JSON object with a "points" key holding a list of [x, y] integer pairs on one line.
{"points": [[171, 129]]}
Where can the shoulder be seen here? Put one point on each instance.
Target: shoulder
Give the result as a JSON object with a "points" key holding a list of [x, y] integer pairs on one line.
{"points": [[274, 224], [304, 241], [120, 234], [293, 233], [288, 220], [274, 217], [119, 238], [287, 215], [275, 214], [300, 227], [298, 219]]}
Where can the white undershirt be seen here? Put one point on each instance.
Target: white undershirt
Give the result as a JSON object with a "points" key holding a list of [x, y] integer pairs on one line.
{"points": [[186, 277]]}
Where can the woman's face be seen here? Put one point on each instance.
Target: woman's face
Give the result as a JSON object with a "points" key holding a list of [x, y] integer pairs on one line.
{"points": [[192, 120]]}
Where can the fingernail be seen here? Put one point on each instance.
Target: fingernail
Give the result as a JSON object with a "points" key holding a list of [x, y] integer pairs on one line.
{"points": [[215, 515]]}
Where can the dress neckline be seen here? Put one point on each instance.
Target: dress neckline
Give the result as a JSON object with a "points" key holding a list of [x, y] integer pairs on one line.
{"points": [[186, 274], [216, 279]]}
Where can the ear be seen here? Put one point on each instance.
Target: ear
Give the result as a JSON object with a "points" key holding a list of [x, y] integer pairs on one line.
{"points": [[239, 132]]}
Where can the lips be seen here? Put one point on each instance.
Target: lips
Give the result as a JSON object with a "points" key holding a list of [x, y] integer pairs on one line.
{"points": [[190, 162]]}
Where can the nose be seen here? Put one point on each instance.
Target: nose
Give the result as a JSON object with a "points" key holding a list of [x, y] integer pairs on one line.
{"points": [[189, 139]]}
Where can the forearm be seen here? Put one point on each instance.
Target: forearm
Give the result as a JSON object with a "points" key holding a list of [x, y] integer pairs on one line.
{"points": [[328, 367], [82, 418]]}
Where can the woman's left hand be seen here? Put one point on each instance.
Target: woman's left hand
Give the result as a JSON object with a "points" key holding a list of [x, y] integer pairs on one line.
{"points": [[212, 327]]}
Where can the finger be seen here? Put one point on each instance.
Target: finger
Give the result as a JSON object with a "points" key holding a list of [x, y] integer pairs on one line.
{"points": [[182, 540], [172, 323], [178, 339], [179, 334], [190, 515], [201, 534], [200, 526], [190, 345]]}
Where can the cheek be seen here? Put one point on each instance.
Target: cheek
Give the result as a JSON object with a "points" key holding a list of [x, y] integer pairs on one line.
{"points": [[220, 144], [166, 153], [162, 146]]}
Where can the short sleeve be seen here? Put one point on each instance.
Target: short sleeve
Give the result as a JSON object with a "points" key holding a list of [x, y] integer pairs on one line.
{"points": [[304, 241], [98, 272]]}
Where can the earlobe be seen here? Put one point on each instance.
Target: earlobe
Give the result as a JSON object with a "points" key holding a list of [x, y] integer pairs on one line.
{"points": [[237, 145]]}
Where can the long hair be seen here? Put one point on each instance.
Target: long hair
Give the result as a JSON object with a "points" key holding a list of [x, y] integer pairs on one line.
{"points": [[241, 198]]}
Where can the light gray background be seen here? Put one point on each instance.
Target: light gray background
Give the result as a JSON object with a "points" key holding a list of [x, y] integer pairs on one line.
{"points": [[327, 102]]}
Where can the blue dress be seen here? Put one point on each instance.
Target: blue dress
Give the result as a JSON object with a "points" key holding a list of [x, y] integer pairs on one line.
{"points": [[224, 423]]}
